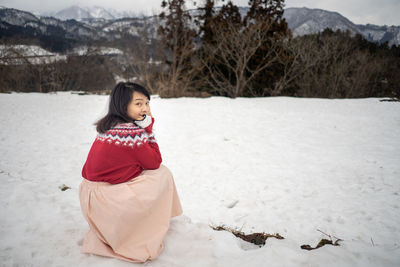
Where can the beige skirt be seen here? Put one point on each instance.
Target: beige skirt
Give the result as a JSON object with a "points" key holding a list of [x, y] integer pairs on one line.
{"points": [[129, 221]]}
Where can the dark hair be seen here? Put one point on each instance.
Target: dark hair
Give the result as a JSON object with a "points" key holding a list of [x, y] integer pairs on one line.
{"points": [[120, 98]]}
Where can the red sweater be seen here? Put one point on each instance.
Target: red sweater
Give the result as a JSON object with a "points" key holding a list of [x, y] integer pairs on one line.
{"points": [[121, 154]]}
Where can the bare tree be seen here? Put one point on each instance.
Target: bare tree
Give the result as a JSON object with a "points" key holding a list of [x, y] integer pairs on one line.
{"points": [[143, 58], [331, 65], [32, 67], [227, 60], [178, 76], [77, 72], [295, 62]]}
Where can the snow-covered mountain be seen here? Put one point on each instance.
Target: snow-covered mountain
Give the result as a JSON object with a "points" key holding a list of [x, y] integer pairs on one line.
{"points": [[381, 34], [16, 17], [96, 23], [18, 22], [89, 13], [73, 12], [306, 21], [91, 25]]}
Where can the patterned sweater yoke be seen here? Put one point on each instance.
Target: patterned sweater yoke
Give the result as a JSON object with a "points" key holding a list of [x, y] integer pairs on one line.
{"points": [[126, 134]]}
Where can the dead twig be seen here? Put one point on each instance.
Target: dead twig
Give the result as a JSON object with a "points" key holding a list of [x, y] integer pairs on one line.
{"points": [[255, 238], [64, 187], [323, 242]]}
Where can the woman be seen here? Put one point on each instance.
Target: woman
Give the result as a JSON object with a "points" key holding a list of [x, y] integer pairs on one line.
{"points": [[127, 196]]}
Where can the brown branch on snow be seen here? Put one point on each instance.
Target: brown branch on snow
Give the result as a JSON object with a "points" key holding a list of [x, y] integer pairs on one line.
{"points": [[255, 238], [64, 187], [323, 242]]}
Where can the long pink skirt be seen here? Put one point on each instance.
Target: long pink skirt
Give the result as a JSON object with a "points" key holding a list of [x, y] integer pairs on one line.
{"points": [[128, 221]]}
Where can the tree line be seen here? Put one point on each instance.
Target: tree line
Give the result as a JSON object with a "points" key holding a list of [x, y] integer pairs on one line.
{"points": [[256, 55], [224, 51]]}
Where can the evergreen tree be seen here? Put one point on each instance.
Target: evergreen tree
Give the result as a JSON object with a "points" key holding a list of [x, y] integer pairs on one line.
{"points": [[269, 15], [236, 56], [265, 10], [228, 14], [204, 21], [217, 23], [175, 29], [177, 37]]}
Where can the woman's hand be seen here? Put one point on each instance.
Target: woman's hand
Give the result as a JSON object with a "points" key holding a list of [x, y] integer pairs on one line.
{"points": [[145, 122]]}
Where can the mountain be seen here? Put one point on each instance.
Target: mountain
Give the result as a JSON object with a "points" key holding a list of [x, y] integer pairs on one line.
{"points": [[89, 13], [11, 19], [53, 34], [16, 17], [307, 21], [73, 12], [380, 34], [97, 23]]}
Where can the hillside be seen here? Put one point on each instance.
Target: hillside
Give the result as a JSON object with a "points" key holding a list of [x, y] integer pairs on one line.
{"points": [[77, 24]]}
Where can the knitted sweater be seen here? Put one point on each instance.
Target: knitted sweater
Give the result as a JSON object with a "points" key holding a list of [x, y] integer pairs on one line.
{"points": [[121, 154]]}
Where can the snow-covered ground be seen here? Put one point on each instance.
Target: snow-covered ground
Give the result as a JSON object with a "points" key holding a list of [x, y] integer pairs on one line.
{"points": [[287, 165], [19, 54], [84, 50], [13, 54]]}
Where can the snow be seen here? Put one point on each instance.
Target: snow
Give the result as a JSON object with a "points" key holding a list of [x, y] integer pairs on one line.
{"points": [[121, 24], [35, 55], [38, 55], [374, 33], [283, 165], [53, 22], [84, 50], [16, 17], [80, 13]]}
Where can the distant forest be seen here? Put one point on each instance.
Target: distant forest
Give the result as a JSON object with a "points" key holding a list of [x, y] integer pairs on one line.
{"points": [[225, 54]]}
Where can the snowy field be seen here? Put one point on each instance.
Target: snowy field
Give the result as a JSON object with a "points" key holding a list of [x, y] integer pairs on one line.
{"points": [[278, 165]]}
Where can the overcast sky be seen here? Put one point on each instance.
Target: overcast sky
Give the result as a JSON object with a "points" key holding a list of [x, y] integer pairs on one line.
{"points": [[378, 12]]}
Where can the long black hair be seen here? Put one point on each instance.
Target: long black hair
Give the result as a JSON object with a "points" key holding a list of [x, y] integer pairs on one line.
{"points": [[120, 98]]}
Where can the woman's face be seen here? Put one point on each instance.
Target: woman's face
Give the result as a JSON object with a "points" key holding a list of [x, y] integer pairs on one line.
{"points": [[138, 107]]}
